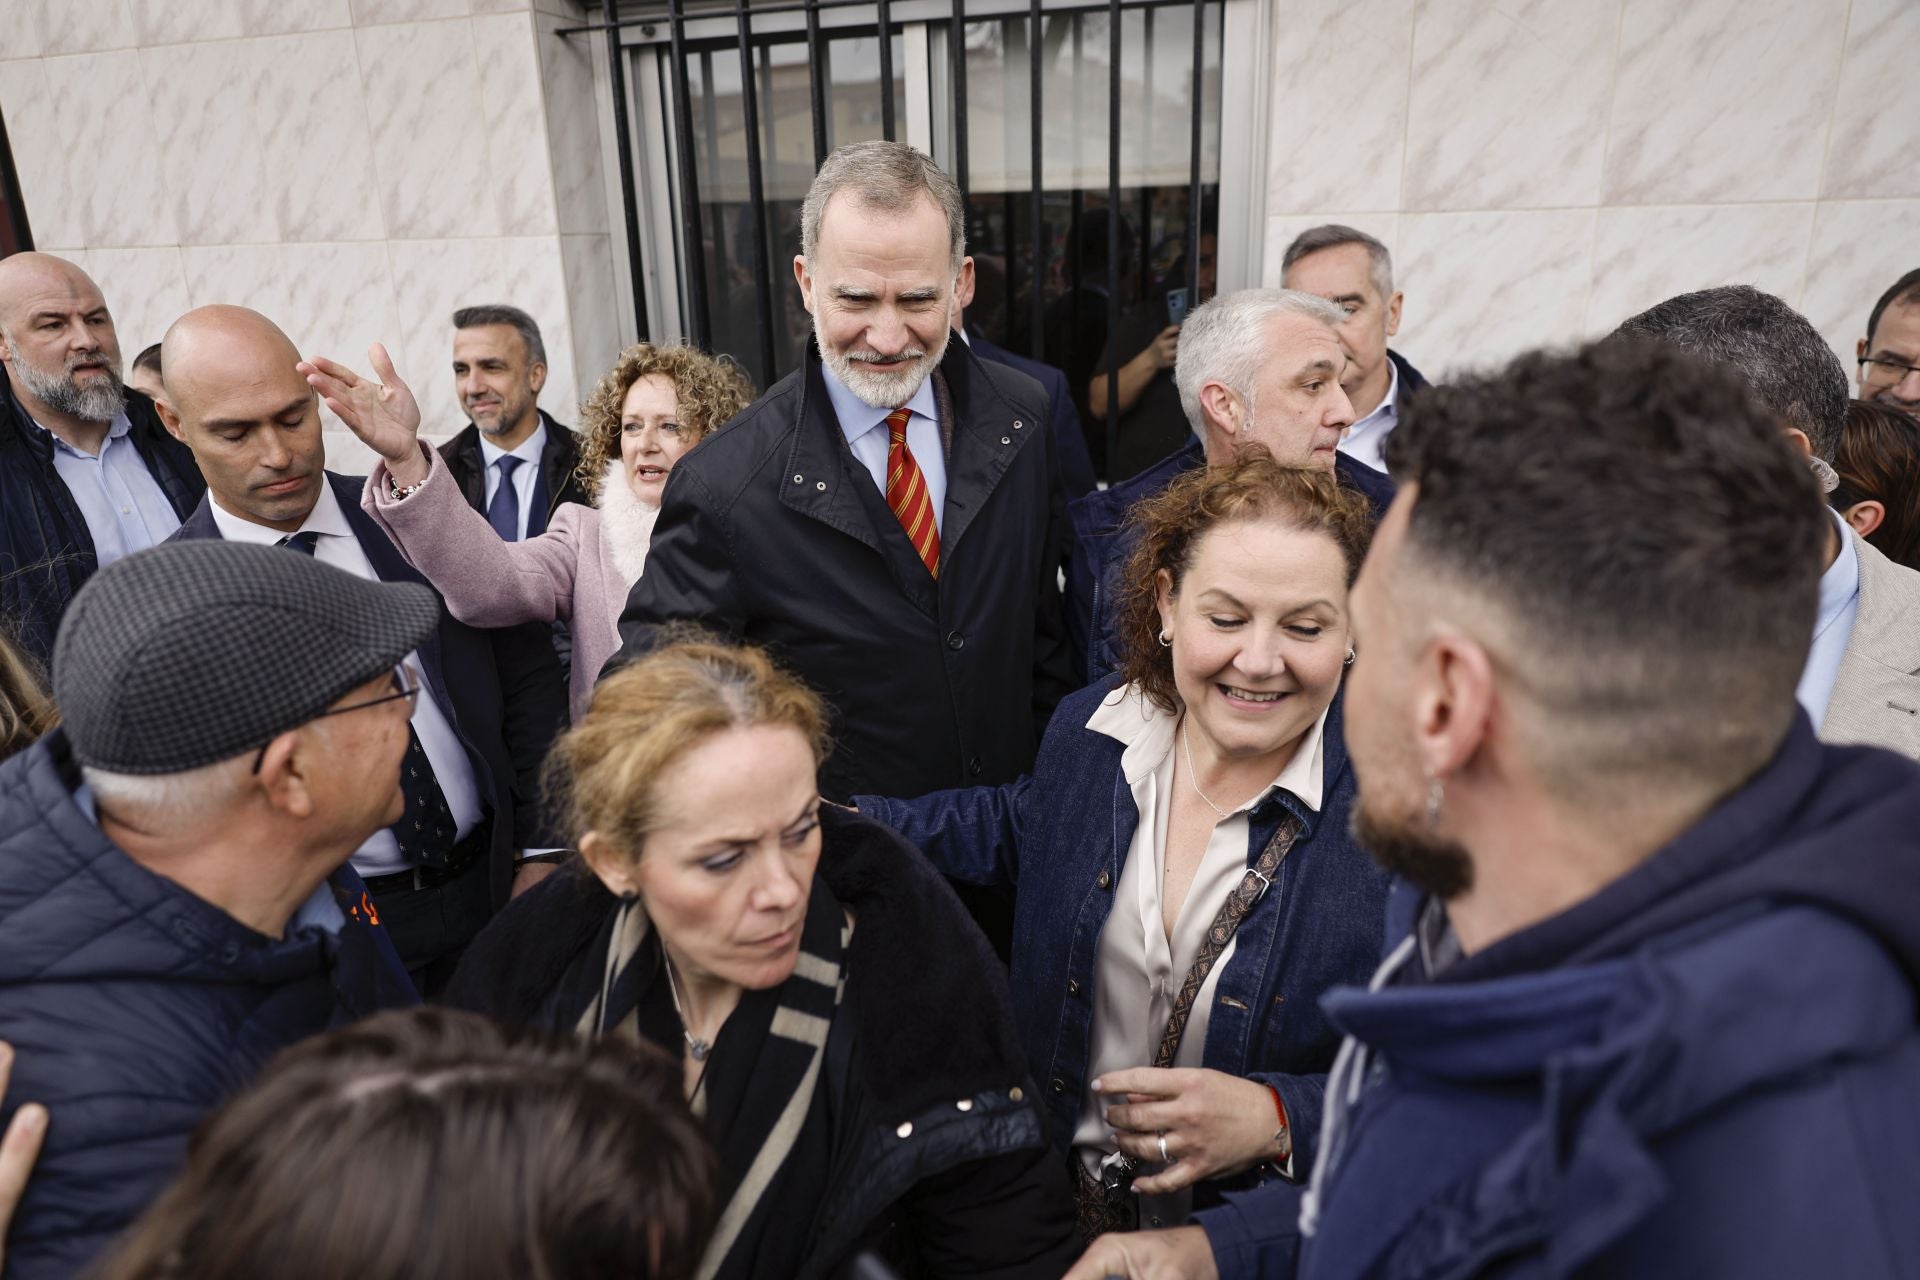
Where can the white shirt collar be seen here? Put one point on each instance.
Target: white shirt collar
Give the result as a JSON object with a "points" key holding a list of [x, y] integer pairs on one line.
{"points": [[326, 519], [1387, 410], [527, 451], [857, 417], [1128, 717]]}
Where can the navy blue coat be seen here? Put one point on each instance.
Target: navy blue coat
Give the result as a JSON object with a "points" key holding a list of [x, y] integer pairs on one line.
{"points": [[134, 1008], [1709, 1069], [1069, 441], [1102, 541], [1060, 838], [46, 551]]}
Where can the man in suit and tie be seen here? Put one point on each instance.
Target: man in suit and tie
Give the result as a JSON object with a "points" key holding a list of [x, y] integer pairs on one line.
{"points": [[493, 701], [514, 463], [1861, 683], [886, 517]]}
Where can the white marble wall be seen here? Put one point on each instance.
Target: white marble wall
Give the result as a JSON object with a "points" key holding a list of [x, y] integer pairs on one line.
{"points": [[356, 169], [1543, 169]]}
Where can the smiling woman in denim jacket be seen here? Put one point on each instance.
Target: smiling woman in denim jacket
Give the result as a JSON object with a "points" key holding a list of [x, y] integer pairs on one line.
{"points": [[1186, 885]]}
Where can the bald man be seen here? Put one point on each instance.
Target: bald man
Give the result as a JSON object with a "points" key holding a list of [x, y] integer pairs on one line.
{"points": [[87, 473], [493, 700]]}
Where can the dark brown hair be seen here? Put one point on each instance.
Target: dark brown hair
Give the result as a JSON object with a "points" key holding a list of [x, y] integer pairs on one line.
{"points": [[1879, 461], [435, 1143], [25, 710], [1251, 487]]}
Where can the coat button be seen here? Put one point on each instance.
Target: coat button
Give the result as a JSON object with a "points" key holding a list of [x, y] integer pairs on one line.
{"points": [[1006, 439], [905, 1130], [1057, 1085], [973, 767], [1017, 424], [956, 641], [821, 485], [1105, 881], [798, 479], [1016, 1093], [1073, 986], [965, 1104]]}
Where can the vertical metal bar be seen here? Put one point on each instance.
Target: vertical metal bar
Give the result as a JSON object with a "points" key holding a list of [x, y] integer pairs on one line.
{"points": [[623, 143], [817, 83], [699, 326], [1037, 227], [1113, 240], [756, 192], [1193, 155], [957, 55], [886, 70]]}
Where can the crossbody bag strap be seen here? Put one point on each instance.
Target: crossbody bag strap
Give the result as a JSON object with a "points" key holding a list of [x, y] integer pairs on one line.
{"points": [[1252, 887]]}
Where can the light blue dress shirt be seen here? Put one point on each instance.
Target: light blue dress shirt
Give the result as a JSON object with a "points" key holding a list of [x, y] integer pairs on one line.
{"points": [[1366, 440], [125, 508], [1832, 628], [523, 476], [866, 430]]}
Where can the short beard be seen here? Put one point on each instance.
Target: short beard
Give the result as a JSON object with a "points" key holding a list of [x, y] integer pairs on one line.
{"points": [[510, 416], [99, 401], [1439, 868], [881, 390]]}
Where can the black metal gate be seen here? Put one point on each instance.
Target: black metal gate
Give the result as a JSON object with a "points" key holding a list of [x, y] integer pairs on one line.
{"points": [[1056, 262]]}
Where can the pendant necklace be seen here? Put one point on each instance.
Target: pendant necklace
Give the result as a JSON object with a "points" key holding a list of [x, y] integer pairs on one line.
{"points": [[1193, 777], [697, 1047]]}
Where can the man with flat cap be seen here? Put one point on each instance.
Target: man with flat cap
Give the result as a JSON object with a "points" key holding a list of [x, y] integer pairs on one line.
{"points": [[492, 701], [177, 904]]}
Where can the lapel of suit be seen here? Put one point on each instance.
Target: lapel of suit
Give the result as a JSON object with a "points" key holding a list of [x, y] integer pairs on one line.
{"points": [[557, 459], [1876, 693], [199, 525]]}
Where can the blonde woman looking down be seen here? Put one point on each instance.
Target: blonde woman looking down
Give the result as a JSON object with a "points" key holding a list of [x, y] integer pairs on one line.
{"points": [[654, 405]]}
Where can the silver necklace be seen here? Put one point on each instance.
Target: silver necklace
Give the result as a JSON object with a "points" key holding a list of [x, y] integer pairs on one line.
{"points": [[1193, 777], [697, 1047]]}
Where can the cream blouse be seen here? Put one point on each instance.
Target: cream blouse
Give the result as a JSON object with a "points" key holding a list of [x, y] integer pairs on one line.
{"points": [[1137, 969]]}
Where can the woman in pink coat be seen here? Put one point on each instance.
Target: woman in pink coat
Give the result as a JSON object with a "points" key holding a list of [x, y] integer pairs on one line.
{"points": [[654, 405]]}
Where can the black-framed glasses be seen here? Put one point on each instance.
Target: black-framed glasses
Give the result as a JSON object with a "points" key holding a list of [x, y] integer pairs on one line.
{"points": [[406, 684], [1888, 371]]}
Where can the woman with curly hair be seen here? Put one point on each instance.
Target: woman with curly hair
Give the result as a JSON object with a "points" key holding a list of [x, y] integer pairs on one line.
{"points": [[1185, 883], [653, 406]]}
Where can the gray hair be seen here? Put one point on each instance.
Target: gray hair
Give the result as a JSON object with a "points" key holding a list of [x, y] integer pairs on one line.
{"points": [[168, 802], [888, 176], [1331, 236], [513, 317], [1778, 353], [1225, 341]]}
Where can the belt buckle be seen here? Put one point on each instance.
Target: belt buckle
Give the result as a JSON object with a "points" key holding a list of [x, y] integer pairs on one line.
{"points": [[1265, 883]]}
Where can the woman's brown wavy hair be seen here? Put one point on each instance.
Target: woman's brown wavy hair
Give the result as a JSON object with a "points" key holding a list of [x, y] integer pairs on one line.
{"points": [[1251, 487], [711, 390]]}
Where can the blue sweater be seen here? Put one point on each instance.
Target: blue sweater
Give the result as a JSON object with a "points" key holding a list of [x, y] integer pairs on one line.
{"points": [[1060, 837], [1709, 1069], [134, 1008]]}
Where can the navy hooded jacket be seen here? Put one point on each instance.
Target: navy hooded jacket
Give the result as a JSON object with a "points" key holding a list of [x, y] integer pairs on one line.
{"points": [[135, 1007], [1709, 1069]]}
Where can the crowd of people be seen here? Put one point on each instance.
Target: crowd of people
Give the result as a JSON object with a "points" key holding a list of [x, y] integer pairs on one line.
{"points": [[1397, 829]]}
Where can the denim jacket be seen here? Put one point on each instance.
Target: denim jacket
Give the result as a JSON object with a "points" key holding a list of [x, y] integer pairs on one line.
{"points": [[1059, 837]]}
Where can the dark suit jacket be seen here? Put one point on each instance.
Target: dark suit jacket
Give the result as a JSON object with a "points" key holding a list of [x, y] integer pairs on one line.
{"points": [[46, 550], [502, 690], [773, 532], [557, 460]]}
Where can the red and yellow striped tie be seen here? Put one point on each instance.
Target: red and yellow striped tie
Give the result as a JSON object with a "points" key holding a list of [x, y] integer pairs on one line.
{"points": [[907, 494]]}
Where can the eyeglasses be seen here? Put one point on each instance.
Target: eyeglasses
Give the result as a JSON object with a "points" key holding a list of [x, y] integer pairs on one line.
{"points": [[406, 684], [1880, 370]]}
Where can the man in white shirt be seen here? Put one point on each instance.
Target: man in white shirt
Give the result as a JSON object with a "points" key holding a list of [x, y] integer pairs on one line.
{"points": [[492, 700], [1861, 683], [513, 461], [1354, 271], [87, 474]]}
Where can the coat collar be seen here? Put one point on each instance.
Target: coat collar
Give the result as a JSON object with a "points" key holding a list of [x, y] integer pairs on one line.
{"points": [[987, 432]]}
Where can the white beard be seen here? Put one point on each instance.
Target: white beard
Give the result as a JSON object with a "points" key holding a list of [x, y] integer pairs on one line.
{"points": [[626, 523], [869, 385]]}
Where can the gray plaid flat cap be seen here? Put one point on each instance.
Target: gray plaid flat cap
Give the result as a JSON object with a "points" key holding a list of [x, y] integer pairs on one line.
{"points": [[194, 652]]}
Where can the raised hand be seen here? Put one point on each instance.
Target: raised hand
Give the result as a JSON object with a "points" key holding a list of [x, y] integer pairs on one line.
{"points": [[383, 414]]}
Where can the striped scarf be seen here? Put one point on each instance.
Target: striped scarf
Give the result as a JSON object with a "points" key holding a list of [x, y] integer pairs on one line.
{"points": [[759, 1098]]}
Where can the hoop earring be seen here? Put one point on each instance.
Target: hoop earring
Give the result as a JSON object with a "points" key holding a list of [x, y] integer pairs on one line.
{"points": [[1436, 796], [1349, 661], [1166, 641]]}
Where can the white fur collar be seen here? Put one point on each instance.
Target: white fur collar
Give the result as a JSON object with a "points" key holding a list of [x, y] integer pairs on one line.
{"points": [[626, 523]]}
